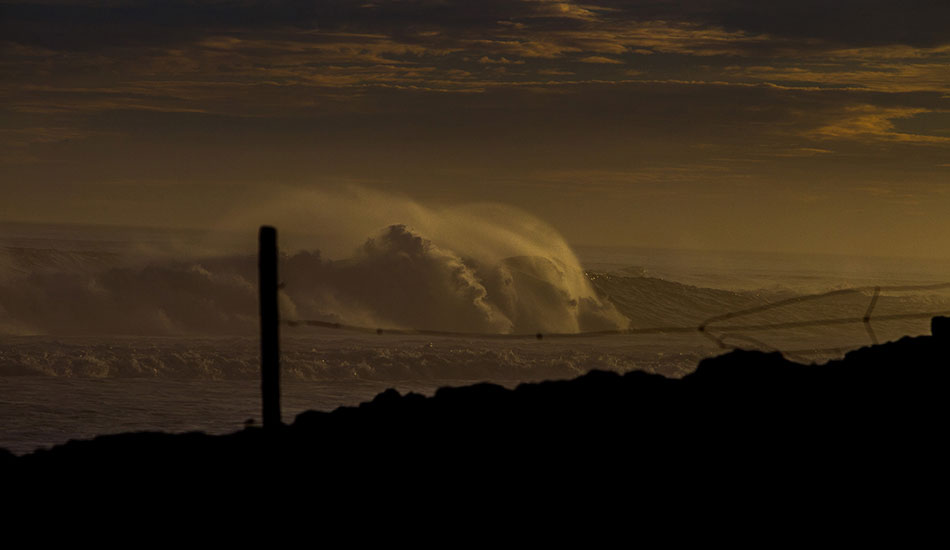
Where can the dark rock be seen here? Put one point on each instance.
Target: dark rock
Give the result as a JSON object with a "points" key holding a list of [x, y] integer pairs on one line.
{"points": [[940, 328], [743, 419]]}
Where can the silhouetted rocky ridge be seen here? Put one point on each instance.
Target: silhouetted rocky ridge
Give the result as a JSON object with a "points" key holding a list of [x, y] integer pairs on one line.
{"points": [[879, 413]]}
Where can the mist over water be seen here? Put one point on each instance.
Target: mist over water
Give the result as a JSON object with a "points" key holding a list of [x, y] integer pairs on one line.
{"points": [[480, 268]]}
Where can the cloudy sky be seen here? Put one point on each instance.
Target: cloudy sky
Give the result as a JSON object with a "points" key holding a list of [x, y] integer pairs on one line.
{"points": [[784, 125]]}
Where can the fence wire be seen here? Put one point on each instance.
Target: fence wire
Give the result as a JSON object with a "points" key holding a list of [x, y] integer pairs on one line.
{"points": [[711, 328]]}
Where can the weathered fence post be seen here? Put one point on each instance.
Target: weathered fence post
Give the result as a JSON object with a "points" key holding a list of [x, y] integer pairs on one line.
{"points": [[270, 329]]}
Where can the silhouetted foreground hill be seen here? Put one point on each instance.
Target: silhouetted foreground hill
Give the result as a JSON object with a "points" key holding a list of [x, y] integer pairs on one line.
{"points": [[872, 422]]}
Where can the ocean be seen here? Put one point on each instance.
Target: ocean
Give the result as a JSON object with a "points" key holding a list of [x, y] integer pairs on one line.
{"points": [[107, 330]]}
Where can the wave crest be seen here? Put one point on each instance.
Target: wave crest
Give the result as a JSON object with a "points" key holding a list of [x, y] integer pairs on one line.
{"points": [[401, 279]]}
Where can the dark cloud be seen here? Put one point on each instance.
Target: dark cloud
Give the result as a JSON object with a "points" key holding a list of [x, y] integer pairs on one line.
{"points": [[419, 137], [91, 25], [530, 102], [840, 22], [846, 22]]}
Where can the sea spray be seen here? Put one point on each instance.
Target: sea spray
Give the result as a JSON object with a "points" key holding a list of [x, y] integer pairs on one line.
{"points": [[400, 279], [480, 268]]}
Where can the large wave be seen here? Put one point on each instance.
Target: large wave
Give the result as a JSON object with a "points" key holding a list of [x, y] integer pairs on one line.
{"points": [[401, 279], [482, 269]]}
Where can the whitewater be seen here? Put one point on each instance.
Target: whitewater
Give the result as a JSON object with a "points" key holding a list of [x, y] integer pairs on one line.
{"points": [[105, 330]]}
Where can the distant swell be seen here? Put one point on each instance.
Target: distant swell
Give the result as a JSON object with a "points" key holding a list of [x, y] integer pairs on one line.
{"points": [[349, 360], [50, 292]]}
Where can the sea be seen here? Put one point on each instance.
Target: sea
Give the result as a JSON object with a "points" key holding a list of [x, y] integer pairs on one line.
{"points": [[109, 329]]}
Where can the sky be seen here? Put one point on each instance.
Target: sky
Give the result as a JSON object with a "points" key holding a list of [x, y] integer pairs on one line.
{"points": [[800, 126]]}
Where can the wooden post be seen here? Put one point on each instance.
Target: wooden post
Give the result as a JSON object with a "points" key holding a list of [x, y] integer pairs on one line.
{"points": [[270, 329]]}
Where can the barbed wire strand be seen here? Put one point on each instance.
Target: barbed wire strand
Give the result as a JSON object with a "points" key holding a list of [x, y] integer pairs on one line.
{"points": [[725, 332]]}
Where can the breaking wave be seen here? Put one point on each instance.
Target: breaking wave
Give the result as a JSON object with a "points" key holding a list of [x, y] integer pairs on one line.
{"points": [[401, 279], [495, 276]]}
